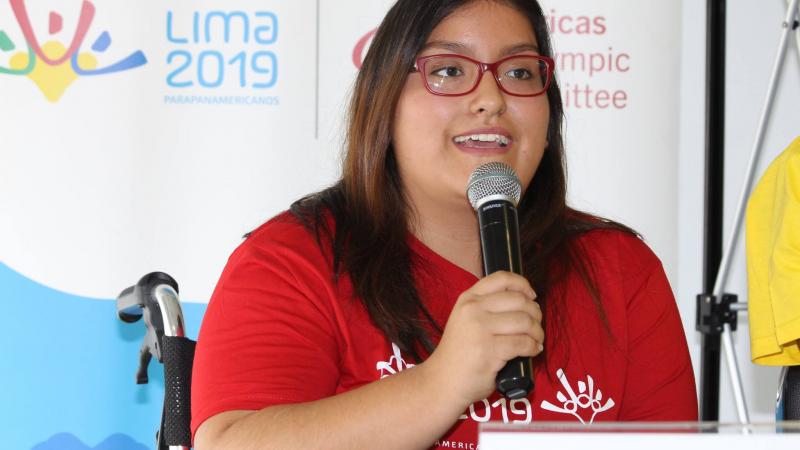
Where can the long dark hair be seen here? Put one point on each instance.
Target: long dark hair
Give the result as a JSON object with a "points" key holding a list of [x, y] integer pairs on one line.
{"points": [[370, 214]]}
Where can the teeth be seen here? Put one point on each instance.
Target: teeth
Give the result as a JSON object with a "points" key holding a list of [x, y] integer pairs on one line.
{"points": [[500, 139]]}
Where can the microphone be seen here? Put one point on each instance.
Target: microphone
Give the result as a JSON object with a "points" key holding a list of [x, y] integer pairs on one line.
{"points": [[494, 191]]}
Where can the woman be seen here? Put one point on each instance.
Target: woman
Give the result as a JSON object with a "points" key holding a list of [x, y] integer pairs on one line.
{"points": [[360, 319]]}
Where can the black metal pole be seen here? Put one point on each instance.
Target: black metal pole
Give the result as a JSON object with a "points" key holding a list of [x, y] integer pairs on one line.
{"points": [[715, 152]]}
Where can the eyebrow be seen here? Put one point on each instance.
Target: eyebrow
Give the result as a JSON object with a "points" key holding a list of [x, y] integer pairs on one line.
{"points": [[457, 47]]}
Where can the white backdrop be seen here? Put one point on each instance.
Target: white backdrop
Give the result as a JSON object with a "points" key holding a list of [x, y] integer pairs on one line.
{"points": [[125, 181]]}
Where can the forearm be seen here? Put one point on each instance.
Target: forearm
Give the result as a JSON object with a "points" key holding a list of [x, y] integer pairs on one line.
{"points": [[404, 411]]}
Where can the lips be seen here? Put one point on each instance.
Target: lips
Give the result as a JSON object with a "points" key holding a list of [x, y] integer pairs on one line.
{"points": [[493, 140], [483, 140]]}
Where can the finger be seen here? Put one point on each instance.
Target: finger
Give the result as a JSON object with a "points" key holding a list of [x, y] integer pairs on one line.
{"points": [[537, 312], [512, 323], [503, 281], [510, 347], [508, 301]]}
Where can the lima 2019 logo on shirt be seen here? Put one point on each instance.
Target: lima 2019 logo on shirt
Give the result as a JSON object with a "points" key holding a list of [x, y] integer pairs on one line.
{"points": [[51, 65]]}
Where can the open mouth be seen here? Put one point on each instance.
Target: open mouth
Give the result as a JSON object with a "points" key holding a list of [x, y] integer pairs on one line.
{"points": [[482, 140]]}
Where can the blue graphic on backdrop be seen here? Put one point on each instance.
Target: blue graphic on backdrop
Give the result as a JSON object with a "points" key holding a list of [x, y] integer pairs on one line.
{"points": [[66, 441], [68, 371], [216, 48]]}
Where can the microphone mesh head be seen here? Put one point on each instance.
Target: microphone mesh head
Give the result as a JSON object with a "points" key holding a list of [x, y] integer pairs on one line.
{"points": [[493, 179]]}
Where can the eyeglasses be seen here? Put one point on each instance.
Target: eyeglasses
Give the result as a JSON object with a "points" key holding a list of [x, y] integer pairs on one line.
{"points": [[453, 75]]}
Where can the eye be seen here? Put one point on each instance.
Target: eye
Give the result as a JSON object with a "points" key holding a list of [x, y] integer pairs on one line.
{"points": [[519, 74], [448, 71]]}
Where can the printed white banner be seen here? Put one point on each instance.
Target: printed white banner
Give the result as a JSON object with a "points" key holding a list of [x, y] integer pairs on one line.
{"points": [[175, 127]]}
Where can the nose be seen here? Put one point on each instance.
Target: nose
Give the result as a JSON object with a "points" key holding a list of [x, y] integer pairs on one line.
{"points": [[488, 99]]}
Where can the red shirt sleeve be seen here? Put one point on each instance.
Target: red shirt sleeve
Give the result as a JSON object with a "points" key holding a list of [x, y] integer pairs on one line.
{"points": [[660, 381], [268, 334]]}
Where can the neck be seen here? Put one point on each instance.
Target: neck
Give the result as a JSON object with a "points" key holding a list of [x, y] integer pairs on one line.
{"points": [[452, 233]]}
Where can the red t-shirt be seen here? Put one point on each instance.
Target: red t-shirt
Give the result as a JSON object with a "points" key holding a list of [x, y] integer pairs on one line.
{"points": [[279, 330]]}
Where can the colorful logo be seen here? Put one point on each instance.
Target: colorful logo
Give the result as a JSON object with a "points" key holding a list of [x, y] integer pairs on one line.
{"points": [[51, 65], [359, 51]]}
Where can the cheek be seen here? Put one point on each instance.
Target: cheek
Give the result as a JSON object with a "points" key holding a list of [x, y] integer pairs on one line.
{"points": [[419, 121], [534, 160], [535, 116]]}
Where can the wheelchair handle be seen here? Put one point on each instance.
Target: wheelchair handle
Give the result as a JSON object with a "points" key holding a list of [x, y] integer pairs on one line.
{"points": [[171, 314], [176, 416]]}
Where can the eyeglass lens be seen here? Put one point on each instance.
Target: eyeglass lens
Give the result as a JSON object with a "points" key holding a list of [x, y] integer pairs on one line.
{"points": [[522, 75]]}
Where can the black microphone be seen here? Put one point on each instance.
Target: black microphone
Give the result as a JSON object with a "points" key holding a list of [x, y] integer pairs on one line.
{"points": [[494, 191]]}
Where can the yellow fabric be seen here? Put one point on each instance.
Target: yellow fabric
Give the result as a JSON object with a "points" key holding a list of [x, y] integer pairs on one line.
{"points": [[773, 262]]}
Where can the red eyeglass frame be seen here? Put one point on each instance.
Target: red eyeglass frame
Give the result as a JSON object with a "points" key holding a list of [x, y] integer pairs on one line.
{"points": [[419, 65]]}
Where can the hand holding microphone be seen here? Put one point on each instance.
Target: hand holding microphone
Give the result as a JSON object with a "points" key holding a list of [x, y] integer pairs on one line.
{"points": [[495, 326], [494, 191]]}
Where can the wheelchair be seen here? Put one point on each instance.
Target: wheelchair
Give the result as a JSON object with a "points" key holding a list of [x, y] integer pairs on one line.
{"points": [[155, 298]]}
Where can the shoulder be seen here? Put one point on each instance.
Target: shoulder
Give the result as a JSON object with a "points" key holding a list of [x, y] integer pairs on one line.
{"points": [[283, 230], [619, 248], [620, 261], [282, 245], [627, 274]]}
